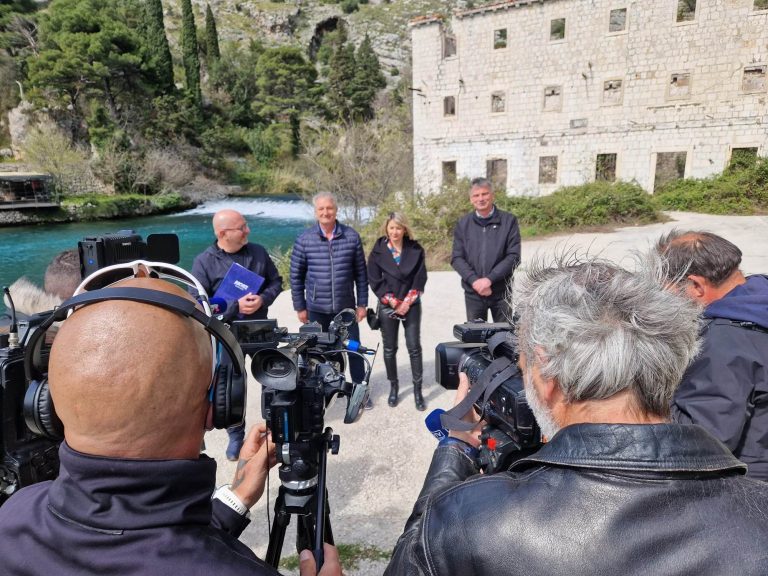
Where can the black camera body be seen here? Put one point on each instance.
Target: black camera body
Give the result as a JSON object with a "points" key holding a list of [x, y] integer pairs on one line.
{"points": [[123, 246], [26, 458], [299, 380], [511, 430]]}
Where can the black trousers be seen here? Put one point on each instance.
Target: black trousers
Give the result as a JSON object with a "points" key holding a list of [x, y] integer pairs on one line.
{"points": [[356, 364], [478, 307], [389, 337]]}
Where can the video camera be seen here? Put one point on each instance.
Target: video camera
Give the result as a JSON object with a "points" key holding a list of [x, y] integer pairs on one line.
{"points": [[299, 381], [27, 457], [487, 353]]}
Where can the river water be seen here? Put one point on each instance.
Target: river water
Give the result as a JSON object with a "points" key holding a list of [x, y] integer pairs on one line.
{"points": [[274, 222]]}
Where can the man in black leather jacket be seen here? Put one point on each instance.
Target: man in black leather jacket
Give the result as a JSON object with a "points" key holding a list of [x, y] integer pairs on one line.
{"points": [[617, 489], [725, 389]]}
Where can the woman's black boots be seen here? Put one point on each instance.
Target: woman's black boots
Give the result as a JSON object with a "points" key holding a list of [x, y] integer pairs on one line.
{"points": [[393, 389], [417, 369], [418, 398]]}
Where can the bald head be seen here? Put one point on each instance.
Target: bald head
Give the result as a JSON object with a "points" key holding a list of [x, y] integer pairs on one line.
{"points": [[129, 379], [231, 230]]}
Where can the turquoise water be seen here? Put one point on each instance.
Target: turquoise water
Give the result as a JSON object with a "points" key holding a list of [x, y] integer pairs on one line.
{"points": [[274, 222]]}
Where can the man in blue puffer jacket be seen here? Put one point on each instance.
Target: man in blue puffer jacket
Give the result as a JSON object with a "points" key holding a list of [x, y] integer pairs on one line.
{"points": [[327, 269]]}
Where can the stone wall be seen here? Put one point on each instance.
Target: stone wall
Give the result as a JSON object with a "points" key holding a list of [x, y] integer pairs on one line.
{"points": [[651, 86]]}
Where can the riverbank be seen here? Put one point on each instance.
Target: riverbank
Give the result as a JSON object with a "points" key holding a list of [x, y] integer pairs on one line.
{"points": [[99, 207]]}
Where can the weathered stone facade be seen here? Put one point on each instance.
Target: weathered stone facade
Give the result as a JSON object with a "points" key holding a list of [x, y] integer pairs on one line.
{"points": [[625, 89]]}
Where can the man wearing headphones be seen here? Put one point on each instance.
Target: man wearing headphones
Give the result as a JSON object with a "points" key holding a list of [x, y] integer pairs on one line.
{"points": [[132, 384]]}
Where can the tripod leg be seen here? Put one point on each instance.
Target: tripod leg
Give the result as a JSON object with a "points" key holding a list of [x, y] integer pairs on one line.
{"points": [[277, 534]]}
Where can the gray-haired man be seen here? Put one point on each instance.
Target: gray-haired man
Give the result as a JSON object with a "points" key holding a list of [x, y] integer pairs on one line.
{"points": [[617, 489]]}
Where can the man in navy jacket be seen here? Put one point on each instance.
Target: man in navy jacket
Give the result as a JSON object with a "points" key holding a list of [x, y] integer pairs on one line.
{"points": [[725, 389], [486, 251], [211, 266], [130, 383], [328, 273]]}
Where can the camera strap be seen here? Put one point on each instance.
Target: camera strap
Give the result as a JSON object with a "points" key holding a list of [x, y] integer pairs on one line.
{"points": [[497, 372]]}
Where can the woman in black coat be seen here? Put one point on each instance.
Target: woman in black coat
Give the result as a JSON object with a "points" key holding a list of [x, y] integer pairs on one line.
{"points": [[397, 274]]}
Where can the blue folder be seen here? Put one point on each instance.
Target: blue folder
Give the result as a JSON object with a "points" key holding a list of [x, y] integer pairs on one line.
{"points": [[238, 282]]}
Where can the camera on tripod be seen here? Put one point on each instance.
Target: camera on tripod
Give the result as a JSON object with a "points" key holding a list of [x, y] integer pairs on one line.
{"points": [[487, 354], [299, 381], [26, 456]]}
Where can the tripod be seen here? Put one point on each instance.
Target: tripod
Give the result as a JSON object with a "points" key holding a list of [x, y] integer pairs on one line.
{"points": [[307, 499]]}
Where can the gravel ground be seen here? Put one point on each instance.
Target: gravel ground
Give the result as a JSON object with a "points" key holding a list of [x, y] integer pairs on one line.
{"points": [[376, 477]]}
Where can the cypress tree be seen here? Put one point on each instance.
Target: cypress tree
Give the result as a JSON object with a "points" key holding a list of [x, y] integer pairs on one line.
{"points": [[211, 36], [341, 77], [157, 44], [189, 51], [368, 80]]}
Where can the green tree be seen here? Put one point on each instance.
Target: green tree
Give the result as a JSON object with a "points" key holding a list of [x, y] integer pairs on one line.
{"points": [[90, 49], [285, 81], [286, 87], [159, 52], [341, 77], [211, 36], [368, 80], [189, 50], [235, 81]]}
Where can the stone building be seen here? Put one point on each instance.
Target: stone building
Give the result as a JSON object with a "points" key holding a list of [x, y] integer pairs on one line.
{"points": [[539, 94]]}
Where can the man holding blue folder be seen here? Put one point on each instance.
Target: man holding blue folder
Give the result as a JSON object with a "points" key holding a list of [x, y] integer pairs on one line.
{"points": [[242, 274]]}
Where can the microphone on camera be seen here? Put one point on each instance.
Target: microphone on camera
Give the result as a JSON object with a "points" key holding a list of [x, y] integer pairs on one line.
{"points": [[218, 305], [434, 425], [355, 346]]}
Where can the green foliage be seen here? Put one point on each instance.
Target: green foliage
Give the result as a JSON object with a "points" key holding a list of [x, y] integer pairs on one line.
{"points": [[341, 78], [285, 83], [159, 53], [741, 189], [189, 50], [589, 205], [211, 36], [368, 80], [99, 206], [235, 80], [91, 51], [172, 118], [349, 6], [270, 143], [15, 23], [354, 79]]}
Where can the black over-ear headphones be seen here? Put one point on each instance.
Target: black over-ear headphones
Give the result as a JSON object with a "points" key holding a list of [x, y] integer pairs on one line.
{"points": [[227, 392]]}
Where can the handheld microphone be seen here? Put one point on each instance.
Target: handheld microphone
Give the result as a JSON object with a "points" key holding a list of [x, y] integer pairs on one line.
{"points": [[434, 425], [218, 305], [355, 346]]}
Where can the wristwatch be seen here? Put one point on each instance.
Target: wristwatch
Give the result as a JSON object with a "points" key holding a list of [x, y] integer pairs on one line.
{"points": [[225, 494]]}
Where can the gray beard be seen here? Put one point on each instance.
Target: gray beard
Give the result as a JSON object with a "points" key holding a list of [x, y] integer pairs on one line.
{"points": [[542, 414]]}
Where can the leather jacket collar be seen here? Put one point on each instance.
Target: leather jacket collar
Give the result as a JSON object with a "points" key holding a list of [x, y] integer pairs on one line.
{"points": [[635, 447], [112, 495]]}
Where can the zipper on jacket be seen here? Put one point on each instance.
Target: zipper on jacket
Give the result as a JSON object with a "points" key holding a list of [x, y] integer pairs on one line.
{"points": [[333, 278]]}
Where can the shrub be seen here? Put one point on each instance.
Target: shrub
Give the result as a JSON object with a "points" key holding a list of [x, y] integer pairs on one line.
{"points": [[349, 6], [742, 188]]}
